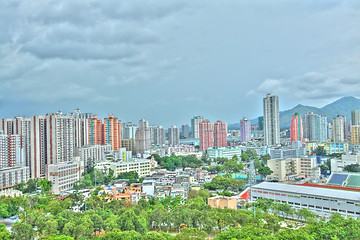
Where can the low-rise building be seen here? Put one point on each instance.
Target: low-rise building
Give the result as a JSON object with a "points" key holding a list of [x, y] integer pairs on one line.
{"points": [[224, 152], [335, 147], [149, 187], [223, 202], [141, 166], [338, 164], [321, 201], [64, 175]]}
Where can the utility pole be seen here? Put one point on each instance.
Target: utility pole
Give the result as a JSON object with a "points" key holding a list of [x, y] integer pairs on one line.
{"points": [[252, 180]]}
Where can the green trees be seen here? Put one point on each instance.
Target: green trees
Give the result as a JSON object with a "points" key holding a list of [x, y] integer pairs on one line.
{"points": [[48, 218], [158, 217], [132, 176], [191, 233], [233, 166], [248, 154], [250, 232], [9, 206], [225, 183], [264, 171], [28, 187], [320, 150], [4, 233], [158, 236], [116, 234], [22, 230], [94, 178], [352, 168], [130, 221], [324, 168], [173, 162], [45, 185]]}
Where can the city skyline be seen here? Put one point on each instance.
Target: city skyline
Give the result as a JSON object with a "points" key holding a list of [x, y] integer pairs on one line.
{"points": [[163, 52], [187, 121]]}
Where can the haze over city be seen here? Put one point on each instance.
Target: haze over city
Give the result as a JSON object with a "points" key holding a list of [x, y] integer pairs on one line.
{"points": [[170, 60]]}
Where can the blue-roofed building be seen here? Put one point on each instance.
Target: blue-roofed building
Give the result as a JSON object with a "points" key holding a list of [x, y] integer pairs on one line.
{"points": [[344, 179]]}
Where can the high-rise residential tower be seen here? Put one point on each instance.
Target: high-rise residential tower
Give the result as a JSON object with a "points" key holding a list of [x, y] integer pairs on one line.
{"points": [[81, 127], [7, 126], [195, 121], [60, 138], [220, 134], [206, 135], [340, 128], [22, 128], [185, 131], [261, 123], [315, 127], [129, 130], [245, 130], [271, 120], [12, 161], [12, 152], [143, 138], [329, 131], [113, 132], [96, 131], [157, 134], [355, 117], [355, 127], [296, 128], [39, 146], [174, 136]]}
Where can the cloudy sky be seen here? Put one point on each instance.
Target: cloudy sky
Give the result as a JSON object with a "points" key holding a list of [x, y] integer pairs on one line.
{"points": [[170, 60]]}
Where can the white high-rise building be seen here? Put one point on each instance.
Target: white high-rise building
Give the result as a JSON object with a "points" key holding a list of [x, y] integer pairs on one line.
{"points": [[60, 138], [21, 127], [271, 120], [7, 126], [129, 130], [174, 136], [329, 131], [315, 127], [38, 139], [195, 126], [81, 128], [12, 161], [245, 130], [157, 135], [340, 129], [143, 138]]}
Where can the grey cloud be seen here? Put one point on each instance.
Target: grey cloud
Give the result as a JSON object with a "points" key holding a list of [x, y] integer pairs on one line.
{"points": [[350, 81], [80, 50], [75, 30], [14, 63], [311, 85], [198, 57]]}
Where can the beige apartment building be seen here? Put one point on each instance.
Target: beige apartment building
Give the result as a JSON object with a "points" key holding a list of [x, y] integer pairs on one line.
{"points": [[223, 202], [290, 168]]}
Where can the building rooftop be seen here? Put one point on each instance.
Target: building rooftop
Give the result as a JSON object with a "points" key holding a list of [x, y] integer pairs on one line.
{"points": [[315, 191]]}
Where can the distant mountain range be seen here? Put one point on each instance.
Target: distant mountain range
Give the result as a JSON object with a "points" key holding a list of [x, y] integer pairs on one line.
{"points": [[342, 106]]}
